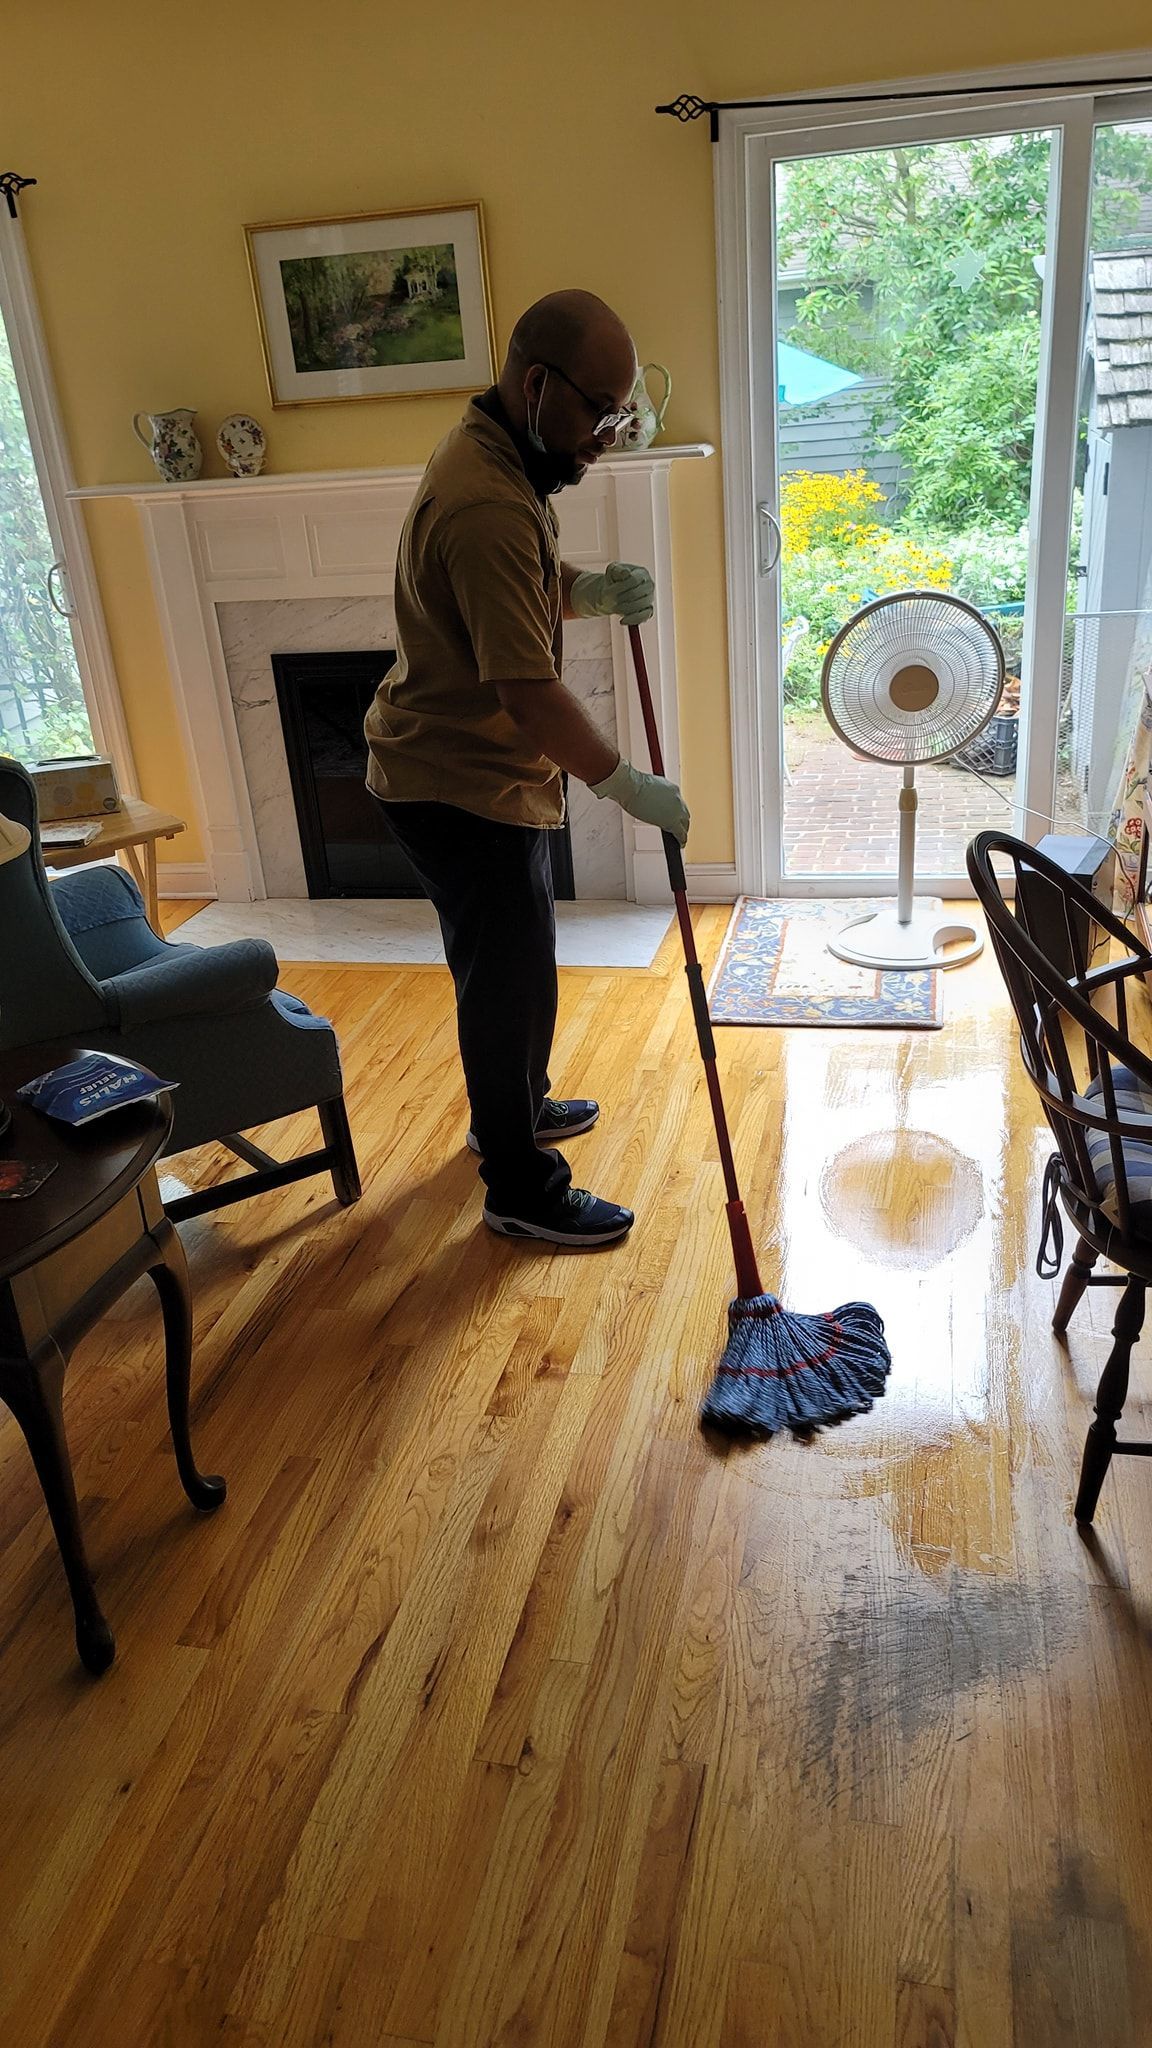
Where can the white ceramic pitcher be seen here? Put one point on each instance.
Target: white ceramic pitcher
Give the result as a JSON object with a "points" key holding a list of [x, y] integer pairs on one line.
{"points": [[645, 419], [172, 443]]}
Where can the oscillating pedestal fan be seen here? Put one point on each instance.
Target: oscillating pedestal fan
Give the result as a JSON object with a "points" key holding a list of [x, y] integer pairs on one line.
{"points": [[911, 678]]}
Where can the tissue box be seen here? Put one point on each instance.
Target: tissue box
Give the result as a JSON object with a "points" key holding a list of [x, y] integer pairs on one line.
{"points": [[75, 786]]}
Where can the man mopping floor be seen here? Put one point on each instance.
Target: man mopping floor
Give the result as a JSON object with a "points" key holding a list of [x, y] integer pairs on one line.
{"points": [[470, 736], [472, 732]]}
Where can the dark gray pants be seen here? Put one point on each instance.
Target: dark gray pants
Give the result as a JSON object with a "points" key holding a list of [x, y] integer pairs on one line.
{"points": [[492, 889]]}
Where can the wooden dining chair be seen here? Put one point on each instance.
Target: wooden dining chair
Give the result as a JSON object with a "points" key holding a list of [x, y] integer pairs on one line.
{"points": [[1096, 1087]]}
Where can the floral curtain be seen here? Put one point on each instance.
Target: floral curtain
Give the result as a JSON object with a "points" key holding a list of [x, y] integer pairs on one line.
{"points": [[1134, 751]]}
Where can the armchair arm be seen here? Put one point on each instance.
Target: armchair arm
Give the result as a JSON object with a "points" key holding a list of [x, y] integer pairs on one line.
{"points": [[190, 981]]}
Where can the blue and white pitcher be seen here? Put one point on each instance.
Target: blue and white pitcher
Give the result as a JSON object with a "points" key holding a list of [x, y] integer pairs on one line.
{"points": [[171, 443]]}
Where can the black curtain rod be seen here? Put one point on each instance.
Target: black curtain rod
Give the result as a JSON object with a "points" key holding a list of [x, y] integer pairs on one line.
{"points": [[10, 184], [688, 107]]}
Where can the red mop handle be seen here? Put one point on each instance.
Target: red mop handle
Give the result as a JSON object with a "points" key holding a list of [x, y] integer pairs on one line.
{"points": [[747, 1274]]}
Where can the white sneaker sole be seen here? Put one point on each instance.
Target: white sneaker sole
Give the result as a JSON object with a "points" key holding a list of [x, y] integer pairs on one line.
{"points": [[544, 1137], [516, 1226]]}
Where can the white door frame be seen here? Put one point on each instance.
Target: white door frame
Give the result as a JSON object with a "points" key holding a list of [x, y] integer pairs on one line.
{"points": [[756, 721], [65, 517]]}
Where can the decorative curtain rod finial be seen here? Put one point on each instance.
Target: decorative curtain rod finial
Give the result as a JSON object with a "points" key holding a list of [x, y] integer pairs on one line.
{"points": [[689, 107], [10, 184]]}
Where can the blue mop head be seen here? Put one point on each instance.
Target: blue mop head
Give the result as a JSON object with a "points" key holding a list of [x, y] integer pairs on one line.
{"points": [[787, 1371]]}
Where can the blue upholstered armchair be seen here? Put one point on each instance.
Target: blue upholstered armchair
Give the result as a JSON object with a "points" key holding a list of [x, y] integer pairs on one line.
{"points": [[79, 960]]}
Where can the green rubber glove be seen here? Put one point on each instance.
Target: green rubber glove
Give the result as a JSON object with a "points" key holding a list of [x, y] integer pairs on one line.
{"points": [[651, 798], [623, 587]]}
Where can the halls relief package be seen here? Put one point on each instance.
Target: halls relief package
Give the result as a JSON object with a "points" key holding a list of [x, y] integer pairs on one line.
{"points": [[90, 1086]]}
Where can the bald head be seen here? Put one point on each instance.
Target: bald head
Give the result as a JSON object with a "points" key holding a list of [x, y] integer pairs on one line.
{"points": [[565, 327], [570, 362]]}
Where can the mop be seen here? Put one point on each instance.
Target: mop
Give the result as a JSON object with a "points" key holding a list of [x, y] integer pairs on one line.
{"points": [[780, 1370]]}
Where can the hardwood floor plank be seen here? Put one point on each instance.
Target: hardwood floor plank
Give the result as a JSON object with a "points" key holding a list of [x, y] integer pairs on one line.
{"points": [[475, 1988], [865, 1933], [660, 1879], [983, 1900], [558, 1946], [711, 1616], [512, 1712], [451, 1897], [925, 2017], [706, 1935]]}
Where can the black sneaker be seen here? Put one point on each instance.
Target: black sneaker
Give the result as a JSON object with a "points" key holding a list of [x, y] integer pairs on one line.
{"points": [[557, 1121], [577, 1219]]}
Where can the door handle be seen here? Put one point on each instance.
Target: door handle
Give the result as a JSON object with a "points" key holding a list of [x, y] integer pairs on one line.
{"points": [[770, 540], [66, 611]]}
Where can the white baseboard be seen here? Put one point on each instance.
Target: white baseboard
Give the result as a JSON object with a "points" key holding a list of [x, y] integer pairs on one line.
{"points": [[708, 881], [711, 881], [178, 878]]}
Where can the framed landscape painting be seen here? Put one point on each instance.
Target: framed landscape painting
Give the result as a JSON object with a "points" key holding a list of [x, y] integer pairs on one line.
{"points": [[373, 305]]}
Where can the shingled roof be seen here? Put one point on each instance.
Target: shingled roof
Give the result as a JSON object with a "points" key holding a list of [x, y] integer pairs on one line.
{"points": [[1121, 339]]}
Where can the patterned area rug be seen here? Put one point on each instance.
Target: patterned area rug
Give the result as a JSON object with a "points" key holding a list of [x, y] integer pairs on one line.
{"points": [[775, 968]]}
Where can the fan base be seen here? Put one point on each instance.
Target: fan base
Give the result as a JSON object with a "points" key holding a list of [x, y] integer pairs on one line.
{"points": [[880, 940]]}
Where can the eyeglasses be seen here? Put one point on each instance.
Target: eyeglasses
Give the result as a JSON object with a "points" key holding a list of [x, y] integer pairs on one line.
{"points": [[606, 422]]}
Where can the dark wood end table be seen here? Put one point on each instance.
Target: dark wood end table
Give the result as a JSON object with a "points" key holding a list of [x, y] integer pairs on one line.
{"points": [[67, 1253]]}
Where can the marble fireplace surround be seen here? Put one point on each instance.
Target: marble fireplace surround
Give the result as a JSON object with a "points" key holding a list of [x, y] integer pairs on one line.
{"points": [[224, 543], [251, 633]]}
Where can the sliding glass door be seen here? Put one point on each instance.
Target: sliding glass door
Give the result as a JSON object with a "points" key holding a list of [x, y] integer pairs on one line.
{"points": [[934, 305], [1107, 656]]}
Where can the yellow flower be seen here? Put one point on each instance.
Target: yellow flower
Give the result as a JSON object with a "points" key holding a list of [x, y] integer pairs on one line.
{"points": [[820, 510]]}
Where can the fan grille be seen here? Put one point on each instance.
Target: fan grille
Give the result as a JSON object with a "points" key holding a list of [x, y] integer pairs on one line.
{"points": [[912, 677]]}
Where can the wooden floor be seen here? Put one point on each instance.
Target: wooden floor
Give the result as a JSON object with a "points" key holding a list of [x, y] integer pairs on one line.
{"points": [[496, 1707]]}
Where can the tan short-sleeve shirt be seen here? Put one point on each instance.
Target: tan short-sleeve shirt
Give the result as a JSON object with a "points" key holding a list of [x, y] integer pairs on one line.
{"points": [[478, 602]]}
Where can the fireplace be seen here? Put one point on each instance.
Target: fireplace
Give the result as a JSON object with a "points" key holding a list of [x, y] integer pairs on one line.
{"points": [[347, 846], [245, 566]]}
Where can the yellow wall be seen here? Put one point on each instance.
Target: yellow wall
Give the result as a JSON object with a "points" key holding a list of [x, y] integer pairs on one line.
{"points": [[156, 130]]}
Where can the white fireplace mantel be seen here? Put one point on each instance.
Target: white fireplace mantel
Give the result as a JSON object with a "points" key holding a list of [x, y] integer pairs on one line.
{"points": [[326, 534]]}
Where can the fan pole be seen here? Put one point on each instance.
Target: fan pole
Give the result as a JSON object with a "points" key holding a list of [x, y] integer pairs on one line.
{"points": [[906, 872], [918, 935]]}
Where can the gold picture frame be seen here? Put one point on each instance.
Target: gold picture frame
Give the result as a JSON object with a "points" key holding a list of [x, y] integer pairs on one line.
{"points": [[365, 305]]}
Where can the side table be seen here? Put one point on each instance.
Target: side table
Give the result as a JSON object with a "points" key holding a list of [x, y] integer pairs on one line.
{"points": [[67, 1253], [134, 825]]}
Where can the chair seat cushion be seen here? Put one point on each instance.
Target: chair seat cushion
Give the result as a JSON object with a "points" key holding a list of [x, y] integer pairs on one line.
{"points": [[1133, 1099]]}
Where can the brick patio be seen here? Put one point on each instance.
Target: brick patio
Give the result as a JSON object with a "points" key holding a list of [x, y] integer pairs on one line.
{"points": [[841, 818], [840, 813]]}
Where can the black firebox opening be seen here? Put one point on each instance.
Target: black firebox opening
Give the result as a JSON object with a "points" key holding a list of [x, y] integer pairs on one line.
{"points": [[344, 836]]}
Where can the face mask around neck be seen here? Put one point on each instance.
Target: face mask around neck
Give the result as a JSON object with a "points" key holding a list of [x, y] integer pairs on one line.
{"points": [[548, 470]]}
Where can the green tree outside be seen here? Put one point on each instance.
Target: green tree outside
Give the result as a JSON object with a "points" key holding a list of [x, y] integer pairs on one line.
{"points": [[42, 708], [926, 266]]}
